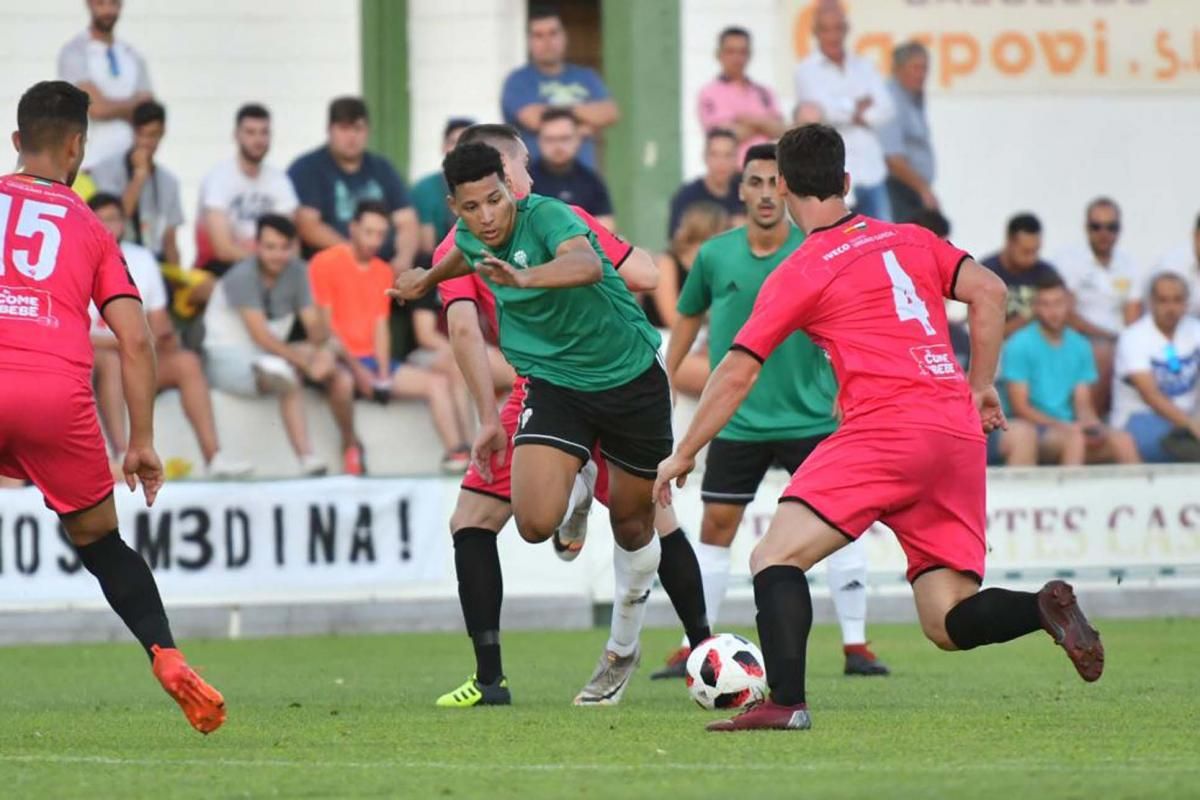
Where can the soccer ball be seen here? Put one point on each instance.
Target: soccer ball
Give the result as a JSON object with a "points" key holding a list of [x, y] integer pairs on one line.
{"points": [[726, 671]]}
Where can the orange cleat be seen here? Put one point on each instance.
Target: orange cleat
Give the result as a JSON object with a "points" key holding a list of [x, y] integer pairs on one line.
{"points": [[203, 705]]}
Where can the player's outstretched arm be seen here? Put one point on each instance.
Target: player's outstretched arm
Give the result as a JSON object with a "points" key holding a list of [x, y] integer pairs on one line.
{"points": [[139, 377], [575, 263], [413, 284], [683, 336], [470, 351], [986, 297]]}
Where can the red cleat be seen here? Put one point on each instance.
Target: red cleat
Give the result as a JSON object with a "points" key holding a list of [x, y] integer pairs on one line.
{"points": [[766, 716], [1063, 620], [676, 666], [202, 704]]}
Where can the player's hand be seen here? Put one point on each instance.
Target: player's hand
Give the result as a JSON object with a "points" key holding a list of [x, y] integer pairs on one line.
{"points": [[676, 468], [409, 285], [490, 442], [143, 466], [502, 273], [987, 402]]}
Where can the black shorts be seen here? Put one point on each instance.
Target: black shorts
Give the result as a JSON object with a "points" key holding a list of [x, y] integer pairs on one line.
{"points": [[733, 470], [631, 422]]}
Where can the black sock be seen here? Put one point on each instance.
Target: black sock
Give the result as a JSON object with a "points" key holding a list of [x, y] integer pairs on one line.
{"points": [[480, 591], [785, 617], [129, 587], [679, 574], [991, 617]]}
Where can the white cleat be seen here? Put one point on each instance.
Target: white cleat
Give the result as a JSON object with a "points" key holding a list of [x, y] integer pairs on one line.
{"points": [[568, 539], [610, 679]]}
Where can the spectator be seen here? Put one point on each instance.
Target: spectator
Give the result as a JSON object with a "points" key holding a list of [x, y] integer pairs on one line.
{"points": [[734, 102], [1104, 281], [429, 194], [1019, 266], [149, 192], [1158, 373], [331, 181], [907, 145], [1047, 369], [559, 173], [719, 184], [854, 100], [248, 319], [1184, 261], [239, 190], [115, 77], [177, 368], [349, 283], [548, 81]]}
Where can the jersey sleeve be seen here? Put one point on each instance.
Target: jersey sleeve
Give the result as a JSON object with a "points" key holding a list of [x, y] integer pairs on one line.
{"points": [[447, 244], [948, 259], [112, 278], [614, 247], [785, 303], [554, 223], [463, 287], [696, 294]]}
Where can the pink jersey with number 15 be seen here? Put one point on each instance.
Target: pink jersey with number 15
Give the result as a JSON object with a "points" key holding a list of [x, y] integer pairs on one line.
{"points": [[870, 293]]}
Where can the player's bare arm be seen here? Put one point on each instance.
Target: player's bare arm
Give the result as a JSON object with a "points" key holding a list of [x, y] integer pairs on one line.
{"points": [[416, 283], [139, 377], [575, 264], [470, 352], [639, 271], [683, 336], [986, 297]]}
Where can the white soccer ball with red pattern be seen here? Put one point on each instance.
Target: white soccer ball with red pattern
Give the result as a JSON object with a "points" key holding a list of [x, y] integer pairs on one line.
{"points": [[726, 671]]}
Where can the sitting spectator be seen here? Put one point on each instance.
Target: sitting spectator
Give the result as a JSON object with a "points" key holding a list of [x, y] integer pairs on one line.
{"points": [[734, 102], [1020, 268], [348, 284], [1047, 370], [177, 368], [1104, 281], [149, 192], [559, 173], [719, 184], [1158, 373], [239, 190], [429, 194], [1184, 261], [331, 180], [248, 319], [907, 148]]}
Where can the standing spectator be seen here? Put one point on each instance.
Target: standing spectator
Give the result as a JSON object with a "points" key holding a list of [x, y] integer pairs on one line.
{"points": [[548, 81], [718, 186], [1184, 261], [149, 192], [113, 74], [854, 100], [559, 173], [239, 190], [331, 181], [1158, 373], [429, 194], [252, 310], [349, 283], [907, 145], [177, 368], [1019, 266], [1047, 369], [735, 102]]}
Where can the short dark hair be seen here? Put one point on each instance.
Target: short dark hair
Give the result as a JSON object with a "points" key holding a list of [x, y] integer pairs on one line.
{"points": [[907, 52], [347, 110], [1102, 202], [103, 200], [812, 159], [370, 207], [557, 112], [471, 162], [278, 223], [489, 133], [719, 133], [1047, 280], [541, 12], [759, 152], [251, 111], [147, 112], [456, 124], [933, 221], [732, 30], [1166, 275], [49, 112], [1023, 223]]}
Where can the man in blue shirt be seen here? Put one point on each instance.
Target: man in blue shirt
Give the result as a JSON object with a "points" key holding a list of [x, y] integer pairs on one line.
{"points": [[1047, 370], [548, 81], [558, 172]]}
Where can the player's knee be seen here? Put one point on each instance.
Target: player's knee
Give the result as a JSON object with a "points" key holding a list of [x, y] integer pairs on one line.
{"points": [[537, 525], [774, 551], [935, 631]]}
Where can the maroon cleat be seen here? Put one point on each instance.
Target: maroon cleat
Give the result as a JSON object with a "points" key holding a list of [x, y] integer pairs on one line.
{"points": [[766, 716], [1062, 619]]}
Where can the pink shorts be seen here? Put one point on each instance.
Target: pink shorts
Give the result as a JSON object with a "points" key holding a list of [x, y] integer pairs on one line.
{"points": [[927, 486], [49, 435]]}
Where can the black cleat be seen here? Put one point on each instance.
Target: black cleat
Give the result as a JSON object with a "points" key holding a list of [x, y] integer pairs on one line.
{"points": [[676, 666], [861, 661]]}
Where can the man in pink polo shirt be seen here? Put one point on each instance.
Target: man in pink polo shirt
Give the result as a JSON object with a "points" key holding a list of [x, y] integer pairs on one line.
{"points": [[734, 101]]}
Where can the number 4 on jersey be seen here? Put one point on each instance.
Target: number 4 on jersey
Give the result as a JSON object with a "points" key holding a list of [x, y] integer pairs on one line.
{"points": [[909, 305]]}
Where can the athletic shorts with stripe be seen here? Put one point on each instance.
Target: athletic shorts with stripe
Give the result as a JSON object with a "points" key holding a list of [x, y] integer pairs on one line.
{"points": [[733, 470]]}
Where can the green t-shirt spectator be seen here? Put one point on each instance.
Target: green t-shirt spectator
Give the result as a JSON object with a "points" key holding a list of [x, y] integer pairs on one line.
{"points": [[1051, 371], [429, 199]]}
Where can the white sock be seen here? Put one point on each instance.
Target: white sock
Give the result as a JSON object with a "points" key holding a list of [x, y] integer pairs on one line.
{"points": [[714, 571], [846, 571], [633, 575], [579, 492]]}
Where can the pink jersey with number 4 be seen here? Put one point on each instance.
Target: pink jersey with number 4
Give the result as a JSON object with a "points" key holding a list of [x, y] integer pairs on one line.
{"points": [[55, 259], [870, 293]]}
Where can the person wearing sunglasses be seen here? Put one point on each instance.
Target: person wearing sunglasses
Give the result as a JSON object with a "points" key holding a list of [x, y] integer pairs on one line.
{"points": [[1158, 376]]}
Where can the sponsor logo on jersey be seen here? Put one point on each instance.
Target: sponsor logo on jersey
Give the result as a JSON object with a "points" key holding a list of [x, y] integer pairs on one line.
{"points": [[26, 305], [855, 228], [937, 361]]}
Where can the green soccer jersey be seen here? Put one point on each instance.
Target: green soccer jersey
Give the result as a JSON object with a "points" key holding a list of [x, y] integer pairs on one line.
{"points": [[793, 397], [587, 338]]}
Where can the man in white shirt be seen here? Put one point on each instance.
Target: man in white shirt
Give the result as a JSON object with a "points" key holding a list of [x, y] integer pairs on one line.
{"points": [[177, 368], [1158, 372], [1107, 288], [239, 190], [853, 98], [113, 74], [1184, 261]]}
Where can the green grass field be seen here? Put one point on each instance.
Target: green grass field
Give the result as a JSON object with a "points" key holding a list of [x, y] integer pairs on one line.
{"points": [[354, 717]]}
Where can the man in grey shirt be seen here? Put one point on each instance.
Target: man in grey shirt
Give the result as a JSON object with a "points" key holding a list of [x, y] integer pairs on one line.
{"points": [[907, 146]]}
